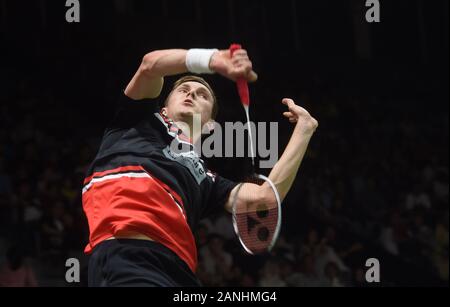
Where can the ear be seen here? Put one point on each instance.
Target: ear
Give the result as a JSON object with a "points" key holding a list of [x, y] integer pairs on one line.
{"points": [[164, 111]]}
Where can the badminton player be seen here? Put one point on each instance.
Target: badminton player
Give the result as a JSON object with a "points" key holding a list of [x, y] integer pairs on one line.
{"points": [[142, 198]]}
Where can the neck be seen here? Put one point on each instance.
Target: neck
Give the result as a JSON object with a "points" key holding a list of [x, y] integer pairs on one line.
{"points": [[194, 133]]}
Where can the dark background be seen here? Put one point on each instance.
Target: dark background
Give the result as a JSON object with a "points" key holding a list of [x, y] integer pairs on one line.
{"points": [[373, 184]]}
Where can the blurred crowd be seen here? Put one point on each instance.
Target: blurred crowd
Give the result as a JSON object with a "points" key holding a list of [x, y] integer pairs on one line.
{"points": [[374, 184]]}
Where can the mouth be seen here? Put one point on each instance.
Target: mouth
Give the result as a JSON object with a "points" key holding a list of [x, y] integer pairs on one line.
{"points": [[188, 102]]}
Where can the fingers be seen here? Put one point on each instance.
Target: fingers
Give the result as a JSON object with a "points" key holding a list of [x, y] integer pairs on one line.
{"points": [[252, 76], [240, 57], [243, 66], [297, 114], [239, 62], [245, 73], [240, 52], [293, 107], [233, 67], [291, 117], [289, 103]]}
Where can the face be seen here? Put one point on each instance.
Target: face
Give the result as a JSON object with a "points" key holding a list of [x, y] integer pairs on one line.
{"points": [[188, 99]]}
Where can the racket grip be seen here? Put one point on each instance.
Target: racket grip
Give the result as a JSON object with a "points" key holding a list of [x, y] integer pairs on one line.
{"points": [[242, 84]]}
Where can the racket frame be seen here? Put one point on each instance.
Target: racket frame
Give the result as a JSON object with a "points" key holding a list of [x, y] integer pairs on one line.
{"points": [[277, 228]]}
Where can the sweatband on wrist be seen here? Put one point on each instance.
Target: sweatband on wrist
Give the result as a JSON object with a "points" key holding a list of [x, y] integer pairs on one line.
{"points": [[197, 60]]}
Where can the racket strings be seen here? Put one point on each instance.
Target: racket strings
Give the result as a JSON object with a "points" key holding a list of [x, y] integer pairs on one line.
{"points": [[256, 216]]}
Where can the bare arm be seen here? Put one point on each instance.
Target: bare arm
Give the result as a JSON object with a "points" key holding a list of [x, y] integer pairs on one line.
{"points": [[285, 170], [149, 78]]}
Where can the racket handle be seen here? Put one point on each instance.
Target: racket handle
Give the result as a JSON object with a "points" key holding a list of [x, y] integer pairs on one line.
{"points": [[242, 84]]}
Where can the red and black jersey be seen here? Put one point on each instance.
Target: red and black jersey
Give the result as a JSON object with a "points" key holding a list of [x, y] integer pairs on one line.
{"points": [[147, 178]]}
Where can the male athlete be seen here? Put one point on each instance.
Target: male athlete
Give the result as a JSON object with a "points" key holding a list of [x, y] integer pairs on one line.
{"points": [[143, 199]]}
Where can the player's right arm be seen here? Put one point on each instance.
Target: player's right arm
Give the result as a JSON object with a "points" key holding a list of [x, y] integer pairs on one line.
{"points": [[148, 80]]}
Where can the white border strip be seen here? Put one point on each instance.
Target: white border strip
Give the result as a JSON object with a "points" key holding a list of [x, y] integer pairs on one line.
{"points": [[115, 176]]}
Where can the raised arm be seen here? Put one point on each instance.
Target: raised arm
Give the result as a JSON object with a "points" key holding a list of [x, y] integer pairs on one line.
{"points": [[149, 78], [285, 170]]}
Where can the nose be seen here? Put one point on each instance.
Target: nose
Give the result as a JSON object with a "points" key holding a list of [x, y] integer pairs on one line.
{"points": [[191, 93]]}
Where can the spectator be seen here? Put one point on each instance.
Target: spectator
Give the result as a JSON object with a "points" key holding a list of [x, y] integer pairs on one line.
{"points": [[359, 278], [417, 198], [333, 275], [311, 244], [270, 275], [217, 262], [325, 255], [393, 234], [53, 229], [223, 226], [17, 272], [306, 275]]}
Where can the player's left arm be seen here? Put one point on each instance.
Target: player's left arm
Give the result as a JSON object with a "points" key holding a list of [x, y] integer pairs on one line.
{"points": [[285, 170]]}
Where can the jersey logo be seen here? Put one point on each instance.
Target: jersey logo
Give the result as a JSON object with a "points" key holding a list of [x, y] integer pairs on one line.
{"points": [[185, 155]]}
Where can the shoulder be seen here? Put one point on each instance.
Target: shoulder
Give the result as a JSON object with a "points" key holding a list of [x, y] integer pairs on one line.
{"points": [[126, 101], [129, 111]]}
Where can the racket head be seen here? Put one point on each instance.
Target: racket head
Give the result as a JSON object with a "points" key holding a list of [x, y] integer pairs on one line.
{"points": [[256, 220]]}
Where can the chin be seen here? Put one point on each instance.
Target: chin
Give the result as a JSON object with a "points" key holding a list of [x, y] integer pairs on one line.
{"points": [[186, 114], [185, 117]]}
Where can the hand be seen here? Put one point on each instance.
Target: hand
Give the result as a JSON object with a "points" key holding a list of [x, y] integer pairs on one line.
{"points": [[233, 68], [299, 116]]}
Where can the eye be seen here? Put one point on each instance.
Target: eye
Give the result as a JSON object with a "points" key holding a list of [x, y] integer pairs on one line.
{"points": [[203, 95], [183, 90]]}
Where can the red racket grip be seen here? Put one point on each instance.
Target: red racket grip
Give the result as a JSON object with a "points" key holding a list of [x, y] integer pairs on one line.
{"points": [[242, 84]]}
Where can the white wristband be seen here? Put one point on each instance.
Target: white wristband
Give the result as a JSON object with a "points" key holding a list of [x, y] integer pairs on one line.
{"points": [[197, 60]]}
